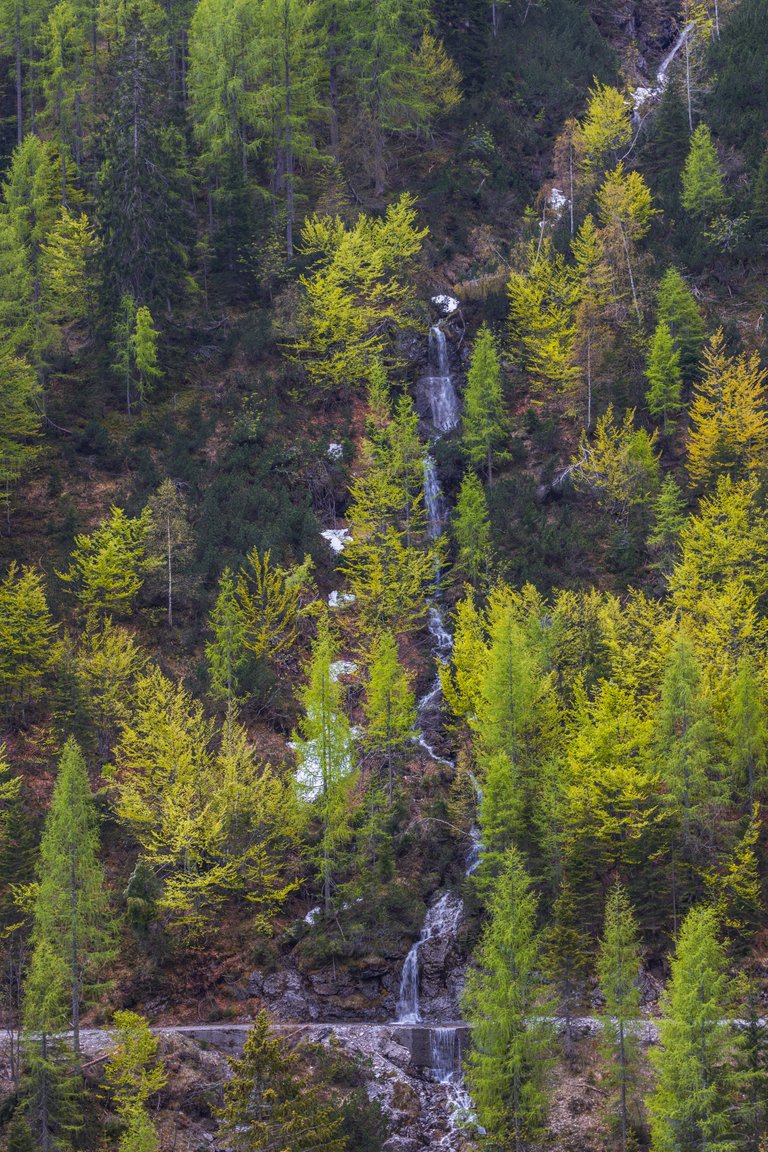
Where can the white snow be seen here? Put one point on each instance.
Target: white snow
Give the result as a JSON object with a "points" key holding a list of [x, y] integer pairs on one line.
{"points": [[342, 668], [340, 599], [313, 914], [337, 538], [335, 451], [557, 201], [445, 304]]}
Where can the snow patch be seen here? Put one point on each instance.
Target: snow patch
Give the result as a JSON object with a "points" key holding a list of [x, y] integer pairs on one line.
{"points": [[342, 668], [341, 599], [337, 538], [335, 451], [557, 202], [445, 305]]}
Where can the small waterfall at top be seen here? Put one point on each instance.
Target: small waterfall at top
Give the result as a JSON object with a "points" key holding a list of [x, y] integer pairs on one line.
{"points": [[444, 409]]}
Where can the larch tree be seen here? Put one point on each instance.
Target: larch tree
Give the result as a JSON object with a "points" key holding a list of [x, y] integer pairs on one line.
{"points": [[619, 967], [483, 418], [664, 376], [677, 308], [107, 567], [27, 634], [472, 530], [326, 771], [605, 130], [169, 539], [144, 339], [703, 192], [134, 1071], [71, 915], [503, 1002], [225, 652], [729, 417], [747, 737], [690, 1104], [668, 520], [390, 707], [626, 211]]}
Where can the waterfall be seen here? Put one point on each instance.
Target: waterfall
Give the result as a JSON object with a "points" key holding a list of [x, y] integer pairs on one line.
{"points": [[438, 385], [441, 922], [445, 1054]]}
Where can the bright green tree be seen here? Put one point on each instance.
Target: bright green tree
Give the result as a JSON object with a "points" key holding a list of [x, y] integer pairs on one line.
{"points": [[668, 521], [68, 269], [483, 419], [71, 908], [144, 340], [390, 707], [326, 773], [605, 130], [472, 530], [225, 652], [108, 662], [169, 540], [690, 1104], [502, 1001], [19, 403], [663, 375], [107, 568], [27, 633], [703, 192], [618, 968], [134, 1072], [63, 82], [625, 208]]}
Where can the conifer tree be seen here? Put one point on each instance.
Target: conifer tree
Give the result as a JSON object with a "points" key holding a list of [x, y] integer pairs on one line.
{"points": [[619, 972], [747, 737], [268, 1104], [703, 193], [107, 662], [729, 417], [472, 530], [390, 708], [122, 345], [752, 1057], [663, 375], [27, 633], [690, 1104], [71, 915], [626, 211], [133, 1072], [324, 750], [225, 652], [19, 402], [483, 419], [677, 308], [503, 1003], [144, 348], [605, 130], [68, 269], [169, 539], [107, 568], [668, 521]]}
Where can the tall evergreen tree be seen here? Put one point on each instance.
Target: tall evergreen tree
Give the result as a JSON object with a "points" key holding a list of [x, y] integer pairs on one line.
{"points": [[703, 191], [619, 972], [690, 1105], [71, 916], [677, 308], [747, 737], [472, 530], [664, 376], [390, 708], [483, 421], [502, 1000]]}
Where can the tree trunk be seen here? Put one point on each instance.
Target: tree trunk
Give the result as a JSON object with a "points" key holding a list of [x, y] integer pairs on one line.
{"points": [[74, 956], [170, 572]]}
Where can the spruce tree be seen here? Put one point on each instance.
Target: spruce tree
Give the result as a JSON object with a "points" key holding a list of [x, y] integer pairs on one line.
{"points": [[483, 420], [663, 375], [390, 707], [668, 521], [472, 530], [71, 915], [618, 971], [502, 1001], [690, 1106]]}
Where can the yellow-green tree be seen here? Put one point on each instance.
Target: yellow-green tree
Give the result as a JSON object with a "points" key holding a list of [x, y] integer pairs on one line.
{"points": [[729, 421], [27, 633], [626, 211], [107, 568], [605, 130], [390, 708], [542, 329]]}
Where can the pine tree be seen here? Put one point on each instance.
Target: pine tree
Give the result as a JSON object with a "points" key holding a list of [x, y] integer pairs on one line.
{"points": [[605, 130], [107, 662], [269, 1104], [19, 403], [752, 1056], [62, 82], [619, 966], [663, 375], [68, 270], [690, 1105], [324, 750], [122, 345], [502, 1001], [703, 193], [389, 708], [71, 914], [677, 308], [140, 1135], [472, 530], [133, 1072], [483, 420]]}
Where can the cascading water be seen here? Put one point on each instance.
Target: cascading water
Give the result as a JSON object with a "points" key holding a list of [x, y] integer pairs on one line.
{"points": [[441, 922], [438, 385]]}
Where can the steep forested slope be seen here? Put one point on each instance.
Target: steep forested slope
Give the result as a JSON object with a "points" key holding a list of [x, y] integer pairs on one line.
{"points": [[384, 440]]}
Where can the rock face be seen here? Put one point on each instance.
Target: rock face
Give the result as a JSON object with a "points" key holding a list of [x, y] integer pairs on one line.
{"points": [[365, 991]]}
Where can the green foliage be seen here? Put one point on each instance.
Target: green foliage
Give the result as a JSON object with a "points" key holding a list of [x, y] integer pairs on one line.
{"points": [[507, 1063], [483, 419], [472, 531], [389, 708], [664, 376], [269, 1103], [107, 568], [19, 399], [668, 521], [677, 308], [606, 129], [703, 193], [27, 632], [133, 1072], [690, 1102]]}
